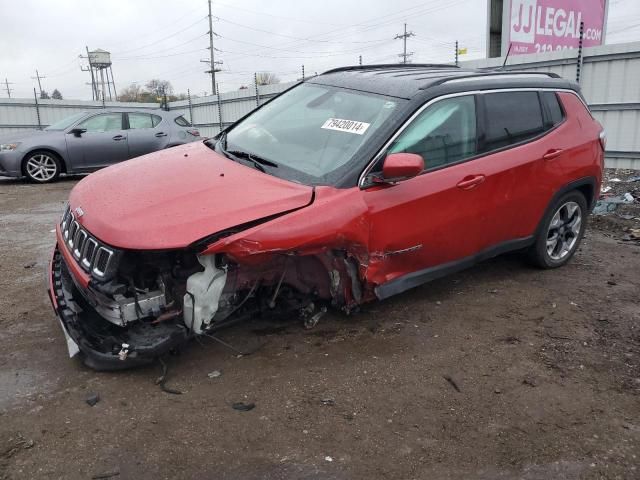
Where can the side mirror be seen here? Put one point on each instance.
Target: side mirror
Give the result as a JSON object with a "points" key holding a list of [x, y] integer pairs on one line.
{"points": [[401, 166], [78, 131]]}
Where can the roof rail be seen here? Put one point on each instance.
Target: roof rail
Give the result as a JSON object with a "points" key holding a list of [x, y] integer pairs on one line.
{"points": [[483, 75], [399, 66]]}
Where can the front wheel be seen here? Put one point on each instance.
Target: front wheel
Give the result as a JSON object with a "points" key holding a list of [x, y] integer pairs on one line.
{"points": [[561, 232], [41, 167]]}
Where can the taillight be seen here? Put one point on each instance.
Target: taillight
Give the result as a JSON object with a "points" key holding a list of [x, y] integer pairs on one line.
{"points": [[194, 132], [603, 140]]}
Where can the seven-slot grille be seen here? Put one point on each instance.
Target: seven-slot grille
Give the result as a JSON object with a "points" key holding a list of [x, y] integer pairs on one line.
{"points": [[92, 256]]}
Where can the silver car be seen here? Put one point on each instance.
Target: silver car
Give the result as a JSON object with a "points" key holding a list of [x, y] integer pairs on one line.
{"points": [[90, 140]]}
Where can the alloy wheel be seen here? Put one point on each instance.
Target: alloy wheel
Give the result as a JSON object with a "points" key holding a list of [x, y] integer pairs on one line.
{"points": [[564, 230], [42, 167]]}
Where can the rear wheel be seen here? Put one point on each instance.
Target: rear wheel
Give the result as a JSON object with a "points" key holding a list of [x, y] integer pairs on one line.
{"points": [[41, 167], [561, 232]]}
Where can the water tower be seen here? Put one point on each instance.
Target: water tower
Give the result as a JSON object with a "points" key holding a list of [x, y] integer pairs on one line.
{"points": [[100, 64]]}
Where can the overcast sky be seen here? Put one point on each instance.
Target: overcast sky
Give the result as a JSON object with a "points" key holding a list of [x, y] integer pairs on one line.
{"points": [[166, 39]]}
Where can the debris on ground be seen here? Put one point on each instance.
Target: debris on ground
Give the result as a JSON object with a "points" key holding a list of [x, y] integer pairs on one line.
{"points": [[214, 374], [30, 264], [102, 476], [243, 407], [92, 399], [330, 402], [452, 382], [328, 458], [610, 204]]}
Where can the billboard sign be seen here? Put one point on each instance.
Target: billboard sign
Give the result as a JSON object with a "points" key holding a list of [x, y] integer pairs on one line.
{"points": [[537, 26]]}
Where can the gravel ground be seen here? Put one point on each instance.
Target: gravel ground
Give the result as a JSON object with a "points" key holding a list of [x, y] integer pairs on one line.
{"points": [[499, 372]]}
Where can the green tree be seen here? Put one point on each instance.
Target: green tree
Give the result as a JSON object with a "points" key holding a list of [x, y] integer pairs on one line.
{"points": [[56, 95]]}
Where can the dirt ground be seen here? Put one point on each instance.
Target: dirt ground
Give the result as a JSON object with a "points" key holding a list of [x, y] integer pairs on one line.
{"points": [[499, 372]]}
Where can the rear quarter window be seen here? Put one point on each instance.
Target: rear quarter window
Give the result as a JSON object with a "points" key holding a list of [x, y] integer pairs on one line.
{"points": [[555, 115], [183, 122], [510, 118]]}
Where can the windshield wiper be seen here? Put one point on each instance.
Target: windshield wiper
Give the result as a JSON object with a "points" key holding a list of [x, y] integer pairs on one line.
{"points": [[255, 159]]}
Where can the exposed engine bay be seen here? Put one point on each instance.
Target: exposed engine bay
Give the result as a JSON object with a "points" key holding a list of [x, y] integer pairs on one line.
{"points": [[144, 304]]}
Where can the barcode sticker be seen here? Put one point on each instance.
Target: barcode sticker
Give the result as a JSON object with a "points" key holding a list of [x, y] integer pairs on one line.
{"points": [[342, 125]]}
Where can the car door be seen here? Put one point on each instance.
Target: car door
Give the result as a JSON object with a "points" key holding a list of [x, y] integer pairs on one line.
{"points": [[436, 220], [103, 142], [514, 125], [147, 133]]}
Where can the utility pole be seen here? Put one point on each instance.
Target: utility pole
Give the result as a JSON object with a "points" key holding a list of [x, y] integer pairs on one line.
{"points": [[404, 37], [360, 60], [457, 53], [303, 73], [38, 76], [211, 59], [9, 90]]}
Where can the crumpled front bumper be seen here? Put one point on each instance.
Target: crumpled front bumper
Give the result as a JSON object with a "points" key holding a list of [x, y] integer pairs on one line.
{"points": [[101, 344]]}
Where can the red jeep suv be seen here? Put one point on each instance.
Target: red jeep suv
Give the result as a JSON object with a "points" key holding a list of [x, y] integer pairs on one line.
{"points": [[351, 186]]}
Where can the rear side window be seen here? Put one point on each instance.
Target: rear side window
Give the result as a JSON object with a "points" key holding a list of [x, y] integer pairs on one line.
{"points": [[510, 118], [444, 133], [182, 121], [140, 120], [554, 110], [156, 119]]}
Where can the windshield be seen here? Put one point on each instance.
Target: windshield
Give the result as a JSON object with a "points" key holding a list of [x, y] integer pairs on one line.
{"points": [[66, 122], [311, 132]]}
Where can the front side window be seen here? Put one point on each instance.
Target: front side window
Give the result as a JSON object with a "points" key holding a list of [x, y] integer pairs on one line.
{"points": [[106, 122], [312, 132], [444, 133], [510, 118], [140, 120]]}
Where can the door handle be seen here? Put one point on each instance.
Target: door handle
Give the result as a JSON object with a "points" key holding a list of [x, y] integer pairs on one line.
{"points": [[161, 134], [553, 153], [470, 181], [117, 138]]}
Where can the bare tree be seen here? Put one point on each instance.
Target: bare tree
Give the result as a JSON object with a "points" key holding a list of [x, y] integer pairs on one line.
{"points": [[159, 87], [44, 95], [130, 94], [267, 78]]}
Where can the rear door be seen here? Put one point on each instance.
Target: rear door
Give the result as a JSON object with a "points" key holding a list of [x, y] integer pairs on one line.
{"points": [[103, 143], [147, 133], [521, 169]]}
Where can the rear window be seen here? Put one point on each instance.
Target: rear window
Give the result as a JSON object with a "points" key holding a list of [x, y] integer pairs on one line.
{"points": [[511, 117], [554, 110], [183, 122]]}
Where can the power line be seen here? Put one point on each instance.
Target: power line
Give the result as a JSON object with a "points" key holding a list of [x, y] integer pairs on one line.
{"points": [[163, 38]]}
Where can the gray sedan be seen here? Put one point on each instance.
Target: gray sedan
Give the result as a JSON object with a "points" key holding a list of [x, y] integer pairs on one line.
{"points": [[90, 140]]}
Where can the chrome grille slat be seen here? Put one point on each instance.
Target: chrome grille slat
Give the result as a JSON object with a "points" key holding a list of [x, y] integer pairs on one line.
{"points": [[92, 256]]}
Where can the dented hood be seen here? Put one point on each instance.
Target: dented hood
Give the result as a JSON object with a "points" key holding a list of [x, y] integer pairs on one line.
{"points": [[171, 198]]}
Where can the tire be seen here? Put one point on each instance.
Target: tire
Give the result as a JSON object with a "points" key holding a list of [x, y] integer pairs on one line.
{"points": [[560, 232], [41, 166]]}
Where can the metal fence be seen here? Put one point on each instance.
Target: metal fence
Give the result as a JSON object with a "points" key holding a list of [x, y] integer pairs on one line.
{"points": [[609, 79], [19, 114], [211, 114]]}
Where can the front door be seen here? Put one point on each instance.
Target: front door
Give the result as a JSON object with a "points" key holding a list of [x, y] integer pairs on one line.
{"points": [[435, 220], [103, 143]]}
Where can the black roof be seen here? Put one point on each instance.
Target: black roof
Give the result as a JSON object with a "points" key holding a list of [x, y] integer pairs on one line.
{"points": [[407, 81]]}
